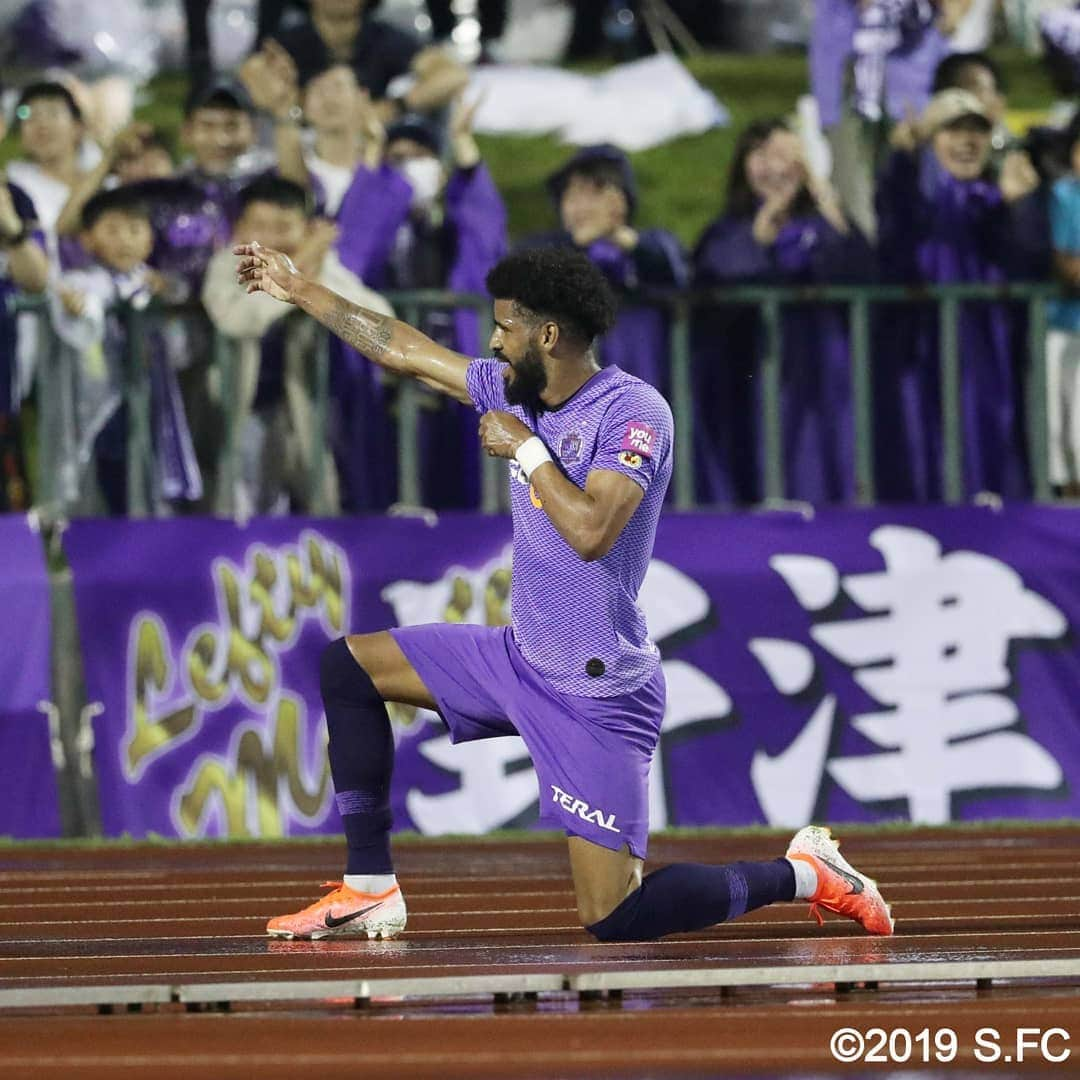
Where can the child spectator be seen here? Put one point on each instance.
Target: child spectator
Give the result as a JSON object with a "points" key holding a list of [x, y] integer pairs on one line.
{"points": [[192, 208], [943, 219], [89, 380], [596, 197], [24, 267], [782, 226], [50, 128], [408, 224], [1063, 338], [147, 158], [275, 417]]}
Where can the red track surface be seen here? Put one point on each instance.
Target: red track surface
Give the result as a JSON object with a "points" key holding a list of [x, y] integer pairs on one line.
{"points": [[194, 914]]}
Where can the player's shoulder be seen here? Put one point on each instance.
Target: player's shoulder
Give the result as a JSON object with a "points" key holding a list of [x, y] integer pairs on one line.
{"points": [[628, 394]]}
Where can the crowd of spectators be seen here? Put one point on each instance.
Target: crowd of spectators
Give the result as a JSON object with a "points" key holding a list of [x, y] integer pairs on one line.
{"points": [[349, 145]]}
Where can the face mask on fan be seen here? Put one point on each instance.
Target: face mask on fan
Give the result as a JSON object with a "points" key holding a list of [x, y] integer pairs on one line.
{"points": [[425, 176]]}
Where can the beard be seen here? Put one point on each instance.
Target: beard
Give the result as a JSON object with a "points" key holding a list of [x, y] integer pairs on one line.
{"points": [[527, 381]]}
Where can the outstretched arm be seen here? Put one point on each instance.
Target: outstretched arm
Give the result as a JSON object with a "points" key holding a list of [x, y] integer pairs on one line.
{"points": [[385, 340]]}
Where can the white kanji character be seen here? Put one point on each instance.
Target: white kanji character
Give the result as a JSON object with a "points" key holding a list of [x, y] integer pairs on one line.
{"points": [[934, 649]]}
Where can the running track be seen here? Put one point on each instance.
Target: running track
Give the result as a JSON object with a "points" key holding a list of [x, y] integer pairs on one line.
{"points": [[993, 917]]}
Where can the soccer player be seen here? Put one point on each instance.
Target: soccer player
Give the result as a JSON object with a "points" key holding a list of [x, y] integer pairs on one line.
{"points": [[589, 452]]}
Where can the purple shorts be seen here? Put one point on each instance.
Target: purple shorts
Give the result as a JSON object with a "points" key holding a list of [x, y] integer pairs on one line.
{"points": [[591, 755]]}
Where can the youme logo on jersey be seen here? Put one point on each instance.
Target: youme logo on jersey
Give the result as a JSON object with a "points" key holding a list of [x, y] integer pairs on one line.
{"points": [[638, 439]]}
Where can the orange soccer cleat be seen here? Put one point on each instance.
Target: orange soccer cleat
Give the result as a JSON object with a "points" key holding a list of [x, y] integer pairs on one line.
{"points": [[841, 888], [344, 912]]}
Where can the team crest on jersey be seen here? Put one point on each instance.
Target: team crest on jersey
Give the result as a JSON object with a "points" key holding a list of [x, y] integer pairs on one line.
{"points": [[630, 459], [570, 448]]}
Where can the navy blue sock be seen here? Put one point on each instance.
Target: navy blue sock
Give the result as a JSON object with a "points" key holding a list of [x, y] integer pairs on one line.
{"points": [[361, 758], [691, 896]]}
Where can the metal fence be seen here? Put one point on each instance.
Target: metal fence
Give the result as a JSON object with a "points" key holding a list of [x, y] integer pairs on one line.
{"points": [[681, 309]]}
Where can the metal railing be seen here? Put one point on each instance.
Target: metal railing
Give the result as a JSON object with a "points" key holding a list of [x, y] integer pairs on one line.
{"points": [[859, 300], [681, 308]]}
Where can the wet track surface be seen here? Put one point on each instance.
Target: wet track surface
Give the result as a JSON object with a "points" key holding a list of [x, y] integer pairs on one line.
{"points": [[176, 917]]}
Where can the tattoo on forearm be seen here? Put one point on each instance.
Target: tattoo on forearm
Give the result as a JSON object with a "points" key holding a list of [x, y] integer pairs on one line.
{"points": [[366, 331]]}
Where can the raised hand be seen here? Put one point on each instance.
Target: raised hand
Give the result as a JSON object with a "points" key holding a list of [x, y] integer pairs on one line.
{"points": [[270, 78], [10, 222], [73, 300], [462, 141], [128, 141], [775, 211], [262, 269], [372, 129], [321, 237], [1019, 177]]}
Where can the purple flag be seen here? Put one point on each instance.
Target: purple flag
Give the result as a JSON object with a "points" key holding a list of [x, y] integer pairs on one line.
{"points": [[30, 806], [911, 664]]}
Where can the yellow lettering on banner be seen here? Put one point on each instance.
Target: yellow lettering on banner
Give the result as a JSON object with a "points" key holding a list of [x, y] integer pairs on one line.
{"points": [[200, 668], [279, 627], [323, 585], [247, 658], [249, 782], [461, 596], [497, 597], [152, 675], [261, 606], [240, 649]]}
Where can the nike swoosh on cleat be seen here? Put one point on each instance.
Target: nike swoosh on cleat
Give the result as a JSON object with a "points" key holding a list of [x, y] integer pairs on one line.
{"points": [[333, 923], [856, 883]]}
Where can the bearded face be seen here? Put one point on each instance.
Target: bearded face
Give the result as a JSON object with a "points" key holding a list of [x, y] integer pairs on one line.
{"points": [[526, 379]]}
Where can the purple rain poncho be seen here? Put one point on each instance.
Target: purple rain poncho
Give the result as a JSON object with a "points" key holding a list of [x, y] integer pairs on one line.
{"points": [[816, 414], [388, 248], [638, 342], [936, 229]]}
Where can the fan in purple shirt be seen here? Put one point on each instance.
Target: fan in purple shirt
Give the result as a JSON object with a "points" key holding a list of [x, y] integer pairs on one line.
{"points": [[576, 676]]}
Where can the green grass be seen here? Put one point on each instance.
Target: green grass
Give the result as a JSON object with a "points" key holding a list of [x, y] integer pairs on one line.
{"points": [[681, 182]]}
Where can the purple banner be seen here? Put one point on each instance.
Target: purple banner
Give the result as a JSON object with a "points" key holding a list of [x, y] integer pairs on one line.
{"points": [[857, 665], [30, 807]]}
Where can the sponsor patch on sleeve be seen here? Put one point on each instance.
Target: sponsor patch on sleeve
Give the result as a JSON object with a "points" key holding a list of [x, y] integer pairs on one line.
{"points": [[638, 439], [630, 459]]}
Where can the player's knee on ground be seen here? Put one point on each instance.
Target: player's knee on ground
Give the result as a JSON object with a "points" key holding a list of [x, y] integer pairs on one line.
{"points": [[616, 925], [592, 911], [341, 678]]}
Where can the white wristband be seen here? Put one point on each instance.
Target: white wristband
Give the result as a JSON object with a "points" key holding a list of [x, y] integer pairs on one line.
{"points": [[531, 454]]}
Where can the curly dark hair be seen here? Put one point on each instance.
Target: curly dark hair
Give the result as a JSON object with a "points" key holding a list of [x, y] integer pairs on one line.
{"points": [[559, 284]]}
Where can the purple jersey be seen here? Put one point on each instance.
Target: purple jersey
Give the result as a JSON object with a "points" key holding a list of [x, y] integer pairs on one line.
{"points": [[578, 623]]}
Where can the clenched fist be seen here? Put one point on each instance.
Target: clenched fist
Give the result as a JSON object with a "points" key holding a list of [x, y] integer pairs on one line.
{"points": [[501, 433]]}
